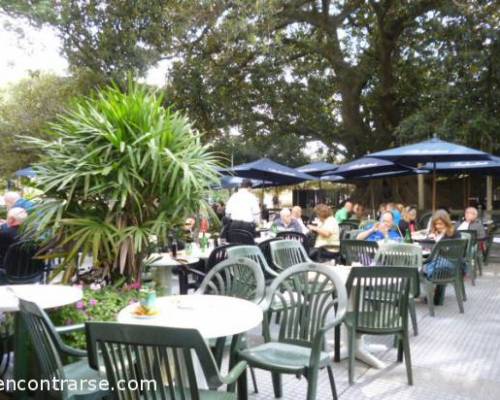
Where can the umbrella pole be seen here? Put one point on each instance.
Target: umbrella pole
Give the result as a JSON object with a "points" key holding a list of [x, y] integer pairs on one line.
{"points": [[372, 197], [464, 188], [434, 187]]}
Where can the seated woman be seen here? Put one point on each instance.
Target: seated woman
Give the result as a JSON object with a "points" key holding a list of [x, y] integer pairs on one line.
{"points": [[442, 228], [409, 220], [382, 230], [327, 233]]}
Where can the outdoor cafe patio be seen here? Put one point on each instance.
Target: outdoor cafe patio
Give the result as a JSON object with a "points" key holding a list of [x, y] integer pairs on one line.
{"points": [[247, 316]]}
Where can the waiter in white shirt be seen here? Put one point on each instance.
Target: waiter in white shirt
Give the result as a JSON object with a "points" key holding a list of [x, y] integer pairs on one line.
{"points": [[243, 209]]}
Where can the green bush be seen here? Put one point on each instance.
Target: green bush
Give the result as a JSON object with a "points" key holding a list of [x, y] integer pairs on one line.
{"points": [[98, 304]]}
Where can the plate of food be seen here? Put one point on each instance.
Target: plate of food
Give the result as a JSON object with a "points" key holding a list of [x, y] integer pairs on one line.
{"points": [[143, 312]]}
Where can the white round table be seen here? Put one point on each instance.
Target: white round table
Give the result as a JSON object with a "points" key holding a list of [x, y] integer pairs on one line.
{"points": [[213, 316], [46, 296], [163, 264]]}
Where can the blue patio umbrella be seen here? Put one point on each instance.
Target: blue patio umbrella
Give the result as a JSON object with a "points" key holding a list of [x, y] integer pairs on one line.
{"points": [[433, 150], [367, 166], [317, 168], [26, 172], [232, 182], [487, 166], [267, 170]]}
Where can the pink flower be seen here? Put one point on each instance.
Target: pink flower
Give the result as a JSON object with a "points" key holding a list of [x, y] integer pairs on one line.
{"points": [[135, 285], [80, 305], [92, 302], [95, 287]]}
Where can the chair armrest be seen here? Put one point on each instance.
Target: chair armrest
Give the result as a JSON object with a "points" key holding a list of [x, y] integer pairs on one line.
{"points": [[71, 351], [185, 268], [64, 348], [63, 330], [233, 375]]}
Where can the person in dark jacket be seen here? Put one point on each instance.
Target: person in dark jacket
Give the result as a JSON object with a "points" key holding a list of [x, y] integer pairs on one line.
{"points": [[9, 232]]}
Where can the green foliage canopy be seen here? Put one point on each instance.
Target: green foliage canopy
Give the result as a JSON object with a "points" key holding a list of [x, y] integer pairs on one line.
{"points": [[118, 169]]}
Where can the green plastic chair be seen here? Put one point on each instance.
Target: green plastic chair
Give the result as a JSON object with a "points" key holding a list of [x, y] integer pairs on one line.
{"points": [[352, 234], [49, 347], [236, 277], [490, 243], [160, 356], [379, 317], [358, 251], [253, 253], [299, 347], [448, 256], [473, 254], [287, 253], [403, 255]]}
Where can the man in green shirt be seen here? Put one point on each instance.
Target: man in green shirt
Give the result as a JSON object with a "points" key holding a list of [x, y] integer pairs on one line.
{"points": [[344, 213]]}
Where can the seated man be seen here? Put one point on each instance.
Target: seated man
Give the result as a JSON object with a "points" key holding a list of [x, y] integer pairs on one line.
{"points": [[471, 223], [9, 232], [14, 200], [383, 229], [344, 213], [285, 222]]}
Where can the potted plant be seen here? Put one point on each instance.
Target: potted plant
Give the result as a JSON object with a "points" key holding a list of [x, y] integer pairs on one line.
{"points": [[117, 169]]}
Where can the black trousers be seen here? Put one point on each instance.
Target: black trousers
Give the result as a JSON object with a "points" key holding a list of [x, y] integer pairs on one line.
{"points": [[250, 227]]}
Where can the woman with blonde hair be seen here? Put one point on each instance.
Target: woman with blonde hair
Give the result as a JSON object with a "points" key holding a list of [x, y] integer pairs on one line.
{"points": [[327, 231], [442, 228]]}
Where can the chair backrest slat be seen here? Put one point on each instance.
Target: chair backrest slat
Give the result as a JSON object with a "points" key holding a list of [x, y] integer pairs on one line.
{"points": [[217, 255], [380, 297], [252, 252], [298, 236], [286, 253], [161, 357], [235, 277], [265, 248], [20, 265], [308, 296], [358, 251], [447, 257], [42, 335]]}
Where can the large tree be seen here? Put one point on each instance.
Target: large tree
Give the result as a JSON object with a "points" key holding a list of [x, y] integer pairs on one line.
{"points": [[26, 108], [360, 75]]}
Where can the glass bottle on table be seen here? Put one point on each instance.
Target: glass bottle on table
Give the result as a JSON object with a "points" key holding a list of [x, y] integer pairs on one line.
{"points": [[408, 238], [174, 246]]}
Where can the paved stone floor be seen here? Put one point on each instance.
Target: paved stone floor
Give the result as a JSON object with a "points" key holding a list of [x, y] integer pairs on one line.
{"points": [[454, 357]]}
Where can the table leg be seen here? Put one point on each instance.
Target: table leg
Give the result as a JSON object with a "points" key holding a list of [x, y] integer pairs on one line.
{"points": [[21, 341], [363, 353], [163, 280]]}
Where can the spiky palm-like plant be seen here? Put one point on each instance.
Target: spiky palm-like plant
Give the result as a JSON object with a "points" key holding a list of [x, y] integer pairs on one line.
{"points": [[117, 169]]}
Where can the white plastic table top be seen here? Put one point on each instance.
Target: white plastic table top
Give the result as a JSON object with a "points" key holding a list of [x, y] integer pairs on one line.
{"points": [[214, 316], [166, 260], [46, 296]]}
